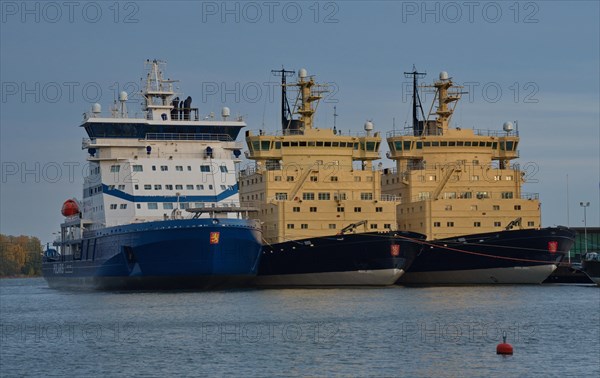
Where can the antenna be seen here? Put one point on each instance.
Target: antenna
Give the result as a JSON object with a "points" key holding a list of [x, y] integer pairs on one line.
{"points": [[286, 113], [417, 129], [335, 115]]}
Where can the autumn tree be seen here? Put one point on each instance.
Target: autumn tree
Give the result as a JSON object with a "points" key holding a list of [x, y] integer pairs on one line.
{"points": [[20, 255]]}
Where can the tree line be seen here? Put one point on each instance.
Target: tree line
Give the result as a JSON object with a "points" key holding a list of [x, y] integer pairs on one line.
{"points": [[20, 255]]}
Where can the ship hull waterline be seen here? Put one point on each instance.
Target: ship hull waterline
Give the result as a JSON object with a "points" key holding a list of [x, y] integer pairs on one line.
{"points": [[365, 259], [505, 257], [177, 254]]}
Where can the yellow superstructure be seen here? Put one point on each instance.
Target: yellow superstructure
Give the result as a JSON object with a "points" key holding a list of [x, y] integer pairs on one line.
{"points": [[453, 181], [310, 182]]}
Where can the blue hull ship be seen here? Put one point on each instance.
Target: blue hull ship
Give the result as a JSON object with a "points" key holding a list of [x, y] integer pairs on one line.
{"points": [[172, 254], [160, 207]]}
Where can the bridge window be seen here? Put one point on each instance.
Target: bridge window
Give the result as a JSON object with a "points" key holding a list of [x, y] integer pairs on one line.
{"points": [[115, 168], [277, 145], [281, 196], [507, 195], [324, 196], [366, 196], [167, 206], [265, 145], [205, 168], [223, 168], [308, 196], [152, 205], [138, 168]]}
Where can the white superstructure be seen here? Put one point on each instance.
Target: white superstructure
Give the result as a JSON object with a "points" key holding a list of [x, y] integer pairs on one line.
{"points": [[154, 166]]}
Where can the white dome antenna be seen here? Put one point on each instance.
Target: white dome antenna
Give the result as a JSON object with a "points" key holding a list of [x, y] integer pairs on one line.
{"points": [[443, 75], [369, 127], [123, 97], [96, 109], [302, 73], [508, 127], [225, 112]]}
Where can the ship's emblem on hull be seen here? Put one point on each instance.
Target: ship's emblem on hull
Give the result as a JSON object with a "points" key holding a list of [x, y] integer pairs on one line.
{"points": [[552, 246], [395, 250], [214, 237]]}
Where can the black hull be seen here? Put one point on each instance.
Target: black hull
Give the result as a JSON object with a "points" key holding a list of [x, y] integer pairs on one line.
{"points": [[373, 258], [505, 257]]}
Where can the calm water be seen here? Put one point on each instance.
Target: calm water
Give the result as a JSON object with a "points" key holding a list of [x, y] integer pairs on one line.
{"points": [[398, 331]]}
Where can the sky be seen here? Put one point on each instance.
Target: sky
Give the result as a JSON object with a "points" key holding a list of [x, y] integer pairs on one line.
{"points": [[535, 62]]}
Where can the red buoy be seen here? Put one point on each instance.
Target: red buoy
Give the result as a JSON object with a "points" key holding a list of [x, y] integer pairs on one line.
{"points": [[69, 208], [504, 347]]}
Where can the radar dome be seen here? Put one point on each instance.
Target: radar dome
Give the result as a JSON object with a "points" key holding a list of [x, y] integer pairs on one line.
{"points": [[508, 126], [302, 73], [368, 126], [443, 75], [123, 96], [225, 112], [96, 108]]}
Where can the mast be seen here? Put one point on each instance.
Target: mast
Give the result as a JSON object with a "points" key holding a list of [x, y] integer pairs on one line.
{"points": [[417, 128], [286, 113]]}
